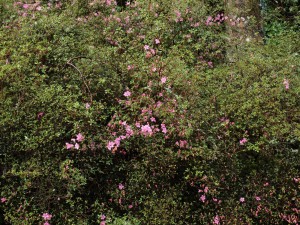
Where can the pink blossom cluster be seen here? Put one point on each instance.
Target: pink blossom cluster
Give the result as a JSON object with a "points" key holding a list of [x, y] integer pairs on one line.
{"points": [[75, 142], [178, 16], [35, 6], [182, 143], [216, 220], [217, 19], [103, 218], [47, 217], [243, 141], [149, 51], [116, 143]]}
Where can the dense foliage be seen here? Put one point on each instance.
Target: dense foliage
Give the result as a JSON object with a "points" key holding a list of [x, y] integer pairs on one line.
{"points": [[132, 114]]}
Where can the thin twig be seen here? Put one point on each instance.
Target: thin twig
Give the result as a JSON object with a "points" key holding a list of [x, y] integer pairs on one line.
{"points": [[69, 63]]}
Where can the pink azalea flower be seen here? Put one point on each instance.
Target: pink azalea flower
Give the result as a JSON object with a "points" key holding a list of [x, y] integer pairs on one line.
{"points": [[118, 141], [146, 47], [76, 146], [153, 119], [242, 199], [110, 145], [163, 128], [146, 130], [47, 216], [130, 206], [157, 41], [206, 189], [39, 8], [216, 220], [103, 217], [46, 223], [102, 223], [79, 137], [25, 6], [243, 141], [202, 198], [121, 186], [87, 105], [257, 198], [152, 51], [3, 200], [127, 93], [68, 145], [286, 84], [163, 80], [130, 67]]}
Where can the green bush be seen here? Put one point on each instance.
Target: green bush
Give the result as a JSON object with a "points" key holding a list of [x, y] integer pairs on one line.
{"points": [[132, 115]]}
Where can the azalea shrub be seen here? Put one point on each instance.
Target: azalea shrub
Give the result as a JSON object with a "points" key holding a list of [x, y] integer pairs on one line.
{"points": [[131, 113]]}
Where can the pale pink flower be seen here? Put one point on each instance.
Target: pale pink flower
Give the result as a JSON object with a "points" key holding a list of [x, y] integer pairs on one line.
{"points": [[79, 137], [110, 145], [257, 198], [152, 51], [163, 128], [76, 146], [39, 8], [146, 47], [243, 141], [47, 216], [242, 199], [103, 217], [202, 198], [87, 105], [68, 145], [127, 93], [216, 220], [137, 124], [157, 41], [183, 143], [163, 80], [130, 206], [286, 84], [159, 104], [152, 119], [146, 130], [25, 6], [130, 67], [121, 186], [3, 200], [129, 131], [117, 141], [209, 20], [46, 223], [206, 189]]}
